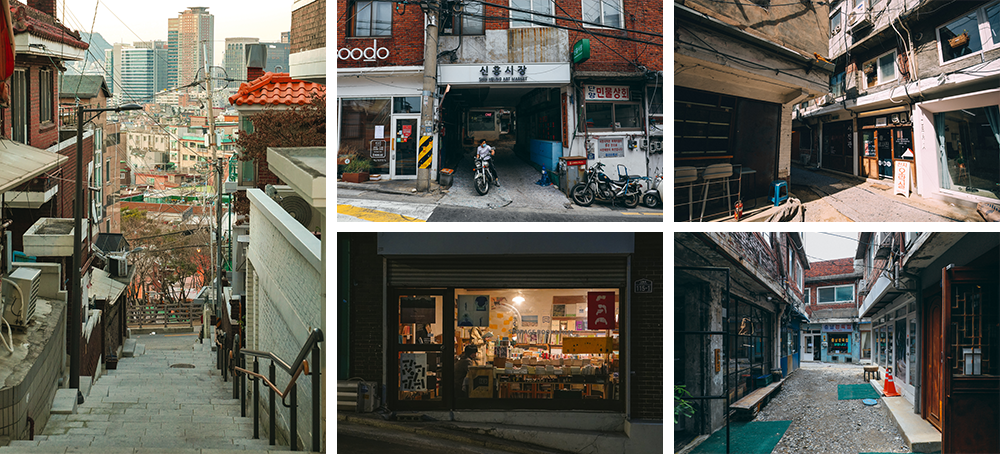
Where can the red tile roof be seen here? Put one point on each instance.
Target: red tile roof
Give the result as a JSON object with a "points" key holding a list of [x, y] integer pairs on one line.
{"points": [[35, 22], [276, 88]]}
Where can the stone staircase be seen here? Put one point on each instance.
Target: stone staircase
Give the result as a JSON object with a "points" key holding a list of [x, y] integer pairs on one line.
{"points": [[161, 399]]}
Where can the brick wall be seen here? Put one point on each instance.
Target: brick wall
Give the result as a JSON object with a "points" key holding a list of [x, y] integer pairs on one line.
{"points": [[646, 339], [406, 44], [365, 297], [309, 27], [285, 301], [39, 135]]}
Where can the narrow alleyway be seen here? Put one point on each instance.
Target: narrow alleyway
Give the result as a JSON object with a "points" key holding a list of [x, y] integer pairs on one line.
{"points": [[517, 186], [823, 424], [170, 397]]}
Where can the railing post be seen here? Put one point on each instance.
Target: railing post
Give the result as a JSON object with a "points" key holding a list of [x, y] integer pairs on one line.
{"points": [[225, 362], [243, 389], [293, 425], [256, 400], [314, 371], [270, 410]]}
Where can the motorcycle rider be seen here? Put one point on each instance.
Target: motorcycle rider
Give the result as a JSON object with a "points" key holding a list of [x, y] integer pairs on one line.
{"points": [[485, 152]]}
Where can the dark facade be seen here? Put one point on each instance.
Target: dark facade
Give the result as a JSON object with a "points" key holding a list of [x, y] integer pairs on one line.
{"points": [[382, 274]]}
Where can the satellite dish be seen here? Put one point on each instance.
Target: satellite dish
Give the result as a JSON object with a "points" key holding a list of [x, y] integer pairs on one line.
{"points": [[219, 77], [298, 208]]}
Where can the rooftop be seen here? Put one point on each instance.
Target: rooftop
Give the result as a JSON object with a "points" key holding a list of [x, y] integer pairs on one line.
{"points": [[276, 88], [35, 22]]}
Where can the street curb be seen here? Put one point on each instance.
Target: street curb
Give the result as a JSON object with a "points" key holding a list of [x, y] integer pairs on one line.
{"points": [[445, 435], [380, 189]]}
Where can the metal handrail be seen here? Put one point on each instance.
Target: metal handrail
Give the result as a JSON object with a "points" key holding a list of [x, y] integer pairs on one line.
{"points": [[304, 367], [315, 337]]}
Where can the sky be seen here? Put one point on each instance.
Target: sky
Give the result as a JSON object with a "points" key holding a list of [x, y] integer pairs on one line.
{"points": [[148, 19], [830, 246]]}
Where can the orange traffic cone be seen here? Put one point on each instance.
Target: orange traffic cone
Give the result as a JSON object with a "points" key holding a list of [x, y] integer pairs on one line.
{"points": [[890, 387]]}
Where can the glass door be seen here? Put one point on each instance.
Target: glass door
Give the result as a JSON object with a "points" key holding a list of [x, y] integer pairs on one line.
{"points": [[405, 138], [884, 142], [421, 341]]}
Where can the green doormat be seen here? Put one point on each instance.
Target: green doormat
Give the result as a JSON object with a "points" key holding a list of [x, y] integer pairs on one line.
{"points": [[756, 437], [862, 391]]}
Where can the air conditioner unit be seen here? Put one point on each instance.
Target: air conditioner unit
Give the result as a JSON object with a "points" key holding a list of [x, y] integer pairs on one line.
{"points": [[860, 19], [295, 205], [20, 294], [836, 30], [118, 266]]}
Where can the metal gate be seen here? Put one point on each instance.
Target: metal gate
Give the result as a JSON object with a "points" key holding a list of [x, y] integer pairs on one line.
{"points": [[726, 354], [508, 271]]}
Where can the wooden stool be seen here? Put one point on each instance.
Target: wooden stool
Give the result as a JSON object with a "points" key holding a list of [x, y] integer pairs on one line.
{"points": [[871, 371]]}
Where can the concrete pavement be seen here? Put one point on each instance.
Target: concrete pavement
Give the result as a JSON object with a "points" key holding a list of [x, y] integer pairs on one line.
{"points": [[169, 398], [919, 434]]}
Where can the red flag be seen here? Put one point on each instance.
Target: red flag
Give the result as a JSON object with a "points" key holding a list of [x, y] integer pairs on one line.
{"points": [[6, 52]]}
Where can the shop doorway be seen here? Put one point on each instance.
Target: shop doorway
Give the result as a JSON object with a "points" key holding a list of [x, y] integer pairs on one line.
{"points": [[971, 372], [932, 397], [421, 347], [883, 139], [406, 136], [817, 350]]}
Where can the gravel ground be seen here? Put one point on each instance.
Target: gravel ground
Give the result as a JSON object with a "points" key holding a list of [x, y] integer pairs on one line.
{"points": [[823, 424], [861, 202]]}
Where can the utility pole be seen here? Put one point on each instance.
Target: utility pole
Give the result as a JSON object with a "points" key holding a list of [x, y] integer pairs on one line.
{"points": [[217, 165], [425, 149]]}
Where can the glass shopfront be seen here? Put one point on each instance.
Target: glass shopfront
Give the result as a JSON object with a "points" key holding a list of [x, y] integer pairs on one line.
{"points": [[969, 150], [534, 348], [885, 140], [750, 337], [382, 130]]}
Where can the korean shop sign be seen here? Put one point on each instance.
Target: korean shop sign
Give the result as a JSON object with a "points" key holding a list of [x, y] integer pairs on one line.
{"points": [[581, 51], [601, 310], [606, 92], [504, 73], [838, 327]]}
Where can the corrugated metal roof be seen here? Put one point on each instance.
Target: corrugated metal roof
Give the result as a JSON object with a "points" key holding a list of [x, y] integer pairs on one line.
{"points": [[20, 163], [103, 287]]}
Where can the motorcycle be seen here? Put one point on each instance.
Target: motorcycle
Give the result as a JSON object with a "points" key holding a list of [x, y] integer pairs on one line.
{"points": [[484, 176], [597, 185]]}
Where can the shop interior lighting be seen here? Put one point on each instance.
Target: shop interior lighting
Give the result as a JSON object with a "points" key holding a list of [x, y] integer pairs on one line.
{"points": [[518, 299]]}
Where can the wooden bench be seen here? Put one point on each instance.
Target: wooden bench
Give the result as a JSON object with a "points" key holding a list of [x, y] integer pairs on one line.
{"points": [[871, 371], [749, 405]]}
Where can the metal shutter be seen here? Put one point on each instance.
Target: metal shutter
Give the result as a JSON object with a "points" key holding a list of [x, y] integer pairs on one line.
{"points": [[508, 271]]}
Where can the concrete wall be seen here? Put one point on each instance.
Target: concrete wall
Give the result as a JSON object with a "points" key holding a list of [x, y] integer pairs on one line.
{"points": [[646, 325], [29, 387], [802, 26], [284, 274]]}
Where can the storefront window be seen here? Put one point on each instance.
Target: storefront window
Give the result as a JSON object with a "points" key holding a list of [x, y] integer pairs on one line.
{"points": [[538, 344], [750, 340], [969, 145], [482, 121], [361, 121], [403, 105], [600, 115], [866, 347], [420, 352], [702, 123], [901, 366], [839, 343]]}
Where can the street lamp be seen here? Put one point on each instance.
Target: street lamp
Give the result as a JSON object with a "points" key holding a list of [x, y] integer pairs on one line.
{"points": [[76, 297]]}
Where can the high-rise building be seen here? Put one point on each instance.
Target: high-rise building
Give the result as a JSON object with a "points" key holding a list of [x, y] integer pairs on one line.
{"points": [[235, 58], [277, 57], [189, 44], [160, 63]]}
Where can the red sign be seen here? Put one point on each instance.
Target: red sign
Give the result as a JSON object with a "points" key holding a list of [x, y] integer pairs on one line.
{"points": [[407, 130], [601, 310], [606, 93]]}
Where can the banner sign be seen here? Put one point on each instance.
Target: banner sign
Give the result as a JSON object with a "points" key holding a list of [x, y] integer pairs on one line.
{"points": [[601, 310], [901, 183], [838, 328], [606, 92], [582, 345]]}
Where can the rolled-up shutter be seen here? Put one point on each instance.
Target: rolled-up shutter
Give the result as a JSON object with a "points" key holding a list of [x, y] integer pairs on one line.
{"points": [[508, 271]]}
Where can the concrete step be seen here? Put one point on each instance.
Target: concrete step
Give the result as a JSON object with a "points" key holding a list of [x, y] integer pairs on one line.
{"points": [[128, 348], [65, 401]]}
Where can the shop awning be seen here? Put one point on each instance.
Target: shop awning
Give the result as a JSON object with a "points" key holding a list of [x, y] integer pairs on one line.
{"points": [[103, 287], [20, 163]]}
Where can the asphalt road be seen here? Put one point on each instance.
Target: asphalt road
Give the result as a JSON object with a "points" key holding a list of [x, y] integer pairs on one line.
{"points": [[357, 439], [445, 213]]}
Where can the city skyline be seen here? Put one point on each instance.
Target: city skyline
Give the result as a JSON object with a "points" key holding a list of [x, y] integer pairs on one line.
{"points": [[149, 23]]}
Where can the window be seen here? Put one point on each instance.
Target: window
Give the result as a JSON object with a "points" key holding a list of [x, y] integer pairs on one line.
{"points": [[970, 34], [805, 296], [409, 104], [835, 294], [835, 23], [611, 116], [372, 18], [968, 148], [880, 70], [45, 95], [837, 84], [702, 123], [468, 22], [19, 106], [604, 12], [540, 8]]}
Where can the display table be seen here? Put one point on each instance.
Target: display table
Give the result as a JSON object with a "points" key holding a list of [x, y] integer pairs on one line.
{"points": [[545, 386]]}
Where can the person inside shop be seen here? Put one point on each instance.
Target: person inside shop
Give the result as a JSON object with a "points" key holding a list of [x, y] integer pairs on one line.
{"points": [[485, 152], [462, 365]]}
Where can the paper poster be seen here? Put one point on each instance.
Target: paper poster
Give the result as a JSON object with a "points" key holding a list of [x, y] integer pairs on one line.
{"points": [[601, 310], [558, 310], [413, 372], [379, 131], [407, 130], [473, 310], [529, 320]]}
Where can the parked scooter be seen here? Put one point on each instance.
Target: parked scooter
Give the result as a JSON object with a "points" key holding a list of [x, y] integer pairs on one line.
{"points": [[484, 176], [651, 197], [597, 185]]}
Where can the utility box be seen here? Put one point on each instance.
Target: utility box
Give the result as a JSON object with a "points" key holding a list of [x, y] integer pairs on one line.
{"points": [[574, 169]]}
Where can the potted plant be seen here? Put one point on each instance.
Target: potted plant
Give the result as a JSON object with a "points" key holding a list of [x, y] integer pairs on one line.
{"points": [[357, 170], [682, 408]]}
